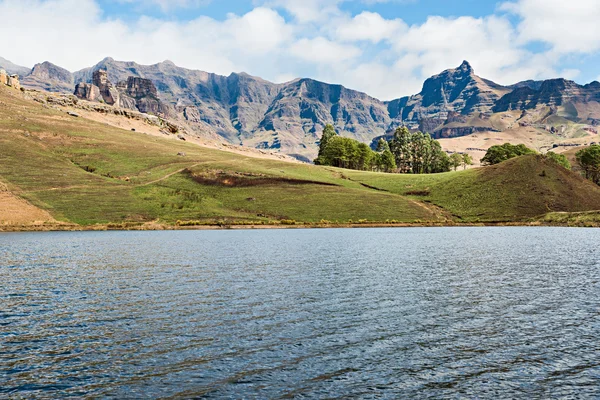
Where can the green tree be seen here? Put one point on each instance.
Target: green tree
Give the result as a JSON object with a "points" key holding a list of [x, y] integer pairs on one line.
{"points": [[387, 162], [589, 159], [455, 160], [365, 157], [560, 159], [499, 153], [382, 145], [328, 133], [400, 145], [466, 160]]}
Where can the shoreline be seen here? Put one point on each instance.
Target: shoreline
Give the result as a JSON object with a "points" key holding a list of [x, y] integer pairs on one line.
{"points": [[160, 227]]}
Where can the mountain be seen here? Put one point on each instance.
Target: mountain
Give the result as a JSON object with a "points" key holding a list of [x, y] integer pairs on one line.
{"points": [[553, 92], [49, 77], [13, 68], [289, 117], [453, 93], [250, 111]]}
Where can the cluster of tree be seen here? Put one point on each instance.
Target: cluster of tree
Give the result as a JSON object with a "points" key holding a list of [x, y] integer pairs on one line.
{"points": [[589, 159], [337, 151], [418, 153], [457, 159], [405, 152], [497, 154]]}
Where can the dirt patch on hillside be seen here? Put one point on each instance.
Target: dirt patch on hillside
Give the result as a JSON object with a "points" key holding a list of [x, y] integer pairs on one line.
{"points": [[17, 211], [226, 179]]}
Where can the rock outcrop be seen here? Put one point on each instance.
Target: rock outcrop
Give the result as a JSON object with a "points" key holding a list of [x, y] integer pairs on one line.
{"points": [[135, 93], [11, 80]]}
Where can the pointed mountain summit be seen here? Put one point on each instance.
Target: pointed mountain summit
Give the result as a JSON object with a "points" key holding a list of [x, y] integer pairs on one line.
{"points": [[452, 93]]}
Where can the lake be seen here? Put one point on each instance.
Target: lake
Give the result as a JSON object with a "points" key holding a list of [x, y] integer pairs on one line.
{"points": [[322, 313]]}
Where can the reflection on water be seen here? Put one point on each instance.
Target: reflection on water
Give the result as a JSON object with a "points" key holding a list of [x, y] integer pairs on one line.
{"points": [[369, 313]]}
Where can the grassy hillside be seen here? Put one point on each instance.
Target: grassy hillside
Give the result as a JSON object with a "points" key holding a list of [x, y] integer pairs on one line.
{"points": [[87, 173], [516, 190]]}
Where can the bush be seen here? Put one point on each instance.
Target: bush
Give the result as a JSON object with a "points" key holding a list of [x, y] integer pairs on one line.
{"points": [[499, 153], [560, 159]]}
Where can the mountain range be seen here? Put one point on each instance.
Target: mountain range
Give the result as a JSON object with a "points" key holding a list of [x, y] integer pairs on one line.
{"points": [[289, 117]]}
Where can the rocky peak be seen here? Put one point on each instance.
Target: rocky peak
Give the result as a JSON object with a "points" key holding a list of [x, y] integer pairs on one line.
{"points": [[51, 72], [465, 67], [49, 77]]}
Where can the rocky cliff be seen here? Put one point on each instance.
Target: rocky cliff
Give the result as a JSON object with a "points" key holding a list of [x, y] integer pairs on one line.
{"points": [[134, 93]]}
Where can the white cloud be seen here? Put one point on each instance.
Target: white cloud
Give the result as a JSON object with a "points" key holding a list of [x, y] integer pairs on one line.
{"points": [[306, 11], [568, 26], [369, 26], [167, 5], [323, 51]]}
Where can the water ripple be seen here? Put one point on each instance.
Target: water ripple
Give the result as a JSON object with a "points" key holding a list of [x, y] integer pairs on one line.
{"points": [[373, 313]]}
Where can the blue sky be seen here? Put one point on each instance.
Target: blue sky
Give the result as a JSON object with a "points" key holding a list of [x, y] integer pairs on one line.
{"points": [[383, 47]]}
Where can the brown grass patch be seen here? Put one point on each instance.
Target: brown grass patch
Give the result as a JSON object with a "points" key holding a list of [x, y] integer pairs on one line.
{"points": [[228, 179]]}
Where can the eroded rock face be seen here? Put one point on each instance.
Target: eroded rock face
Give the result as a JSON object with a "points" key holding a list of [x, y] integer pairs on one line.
{"points": [[134, 93], [110, 95], [87, 91]]}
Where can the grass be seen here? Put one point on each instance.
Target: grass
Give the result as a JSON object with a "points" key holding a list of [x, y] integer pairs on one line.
{"points": [[513, 191], [89, 173]]}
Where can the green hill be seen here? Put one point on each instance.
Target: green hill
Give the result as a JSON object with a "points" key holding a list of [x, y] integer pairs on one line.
{"points": [[87, 173], [516, 190]]}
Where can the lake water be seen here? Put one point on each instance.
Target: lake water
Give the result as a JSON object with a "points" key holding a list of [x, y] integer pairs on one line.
{"points": [[347, 313]]}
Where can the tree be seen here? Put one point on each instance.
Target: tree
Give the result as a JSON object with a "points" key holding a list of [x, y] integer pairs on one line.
{"points": [[400, 146], [417, 153], [382, 145], [365, 157], [589, 159], [387, 162], [455, 160], [499, 153], [466, 160], [328, 133], [560, 159]]}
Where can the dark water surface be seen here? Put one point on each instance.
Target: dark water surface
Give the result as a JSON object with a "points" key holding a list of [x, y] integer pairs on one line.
{"points": [[356, 313]]}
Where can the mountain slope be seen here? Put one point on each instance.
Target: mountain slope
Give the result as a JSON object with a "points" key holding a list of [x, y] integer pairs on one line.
{"points": [[12, 68]]}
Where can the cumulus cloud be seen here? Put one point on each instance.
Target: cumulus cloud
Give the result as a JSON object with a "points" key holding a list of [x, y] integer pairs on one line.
{"points": [[568, 26], [323, 51], [167, 5], [369, 26]]}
